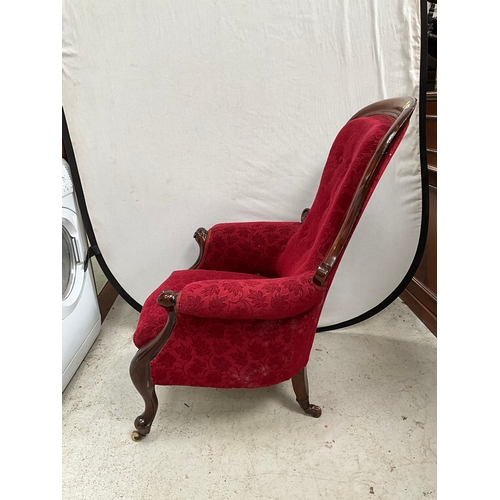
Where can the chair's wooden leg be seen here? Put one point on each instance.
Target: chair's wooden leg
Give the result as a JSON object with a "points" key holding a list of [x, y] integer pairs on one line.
{"points": [[140, 372], [141, 377], [301, 389]]}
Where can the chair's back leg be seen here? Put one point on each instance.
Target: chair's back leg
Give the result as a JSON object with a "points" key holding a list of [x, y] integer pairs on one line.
{"points": [[301, 389]]}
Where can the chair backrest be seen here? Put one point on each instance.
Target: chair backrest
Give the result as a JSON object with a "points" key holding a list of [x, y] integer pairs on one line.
{"points": [[357, 159]]}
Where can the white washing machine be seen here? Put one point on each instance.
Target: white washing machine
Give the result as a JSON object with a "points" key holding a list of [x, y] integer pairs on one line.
{"points": [[81, 319]]}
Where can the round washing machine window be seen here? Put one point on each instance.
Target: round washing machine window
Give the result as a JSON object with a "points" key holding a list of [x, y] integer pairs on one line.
{"points": [[73, 273], [68, 264]]}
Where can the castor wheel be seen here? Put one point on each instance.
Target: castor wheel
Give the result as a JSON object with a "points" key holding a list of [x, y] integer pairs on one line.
{"points": [[313, 411], [137, 436]]}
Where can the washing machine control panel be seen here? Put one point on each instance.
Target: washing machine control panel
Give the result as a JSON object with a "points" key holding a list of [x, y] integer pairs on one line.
{"points": [[67, 183]]}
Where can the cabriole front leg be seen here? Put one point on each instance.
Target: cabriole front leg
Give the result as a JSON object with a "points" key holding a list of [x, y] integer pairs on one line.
{"points": [[140, 371]]}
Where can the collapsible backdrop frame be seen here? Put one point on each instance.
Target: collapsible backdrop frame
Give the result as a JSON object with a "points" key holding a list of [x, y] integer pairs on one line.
{"points": [[178, 115]]}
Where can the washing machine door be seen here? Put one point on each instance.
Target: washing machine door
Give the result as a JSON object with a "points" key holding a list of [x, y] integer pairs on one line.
{"points": [[73, 245]]}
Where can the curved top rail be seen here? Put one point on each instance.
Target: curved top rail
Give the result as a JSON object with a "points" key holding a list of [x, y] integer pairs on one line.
{"points": [[401, 109]]}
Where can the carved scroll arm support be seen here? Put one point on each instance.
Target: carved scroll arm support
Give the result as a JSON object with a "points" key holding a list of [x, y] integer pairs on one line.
{"points": [[140, 371], [304, 215], [200, 236]]}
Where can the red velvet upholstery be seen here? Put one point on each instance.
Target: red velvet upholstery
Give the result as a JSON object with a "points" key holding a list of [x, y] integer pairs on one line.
{"points": [[348, 158], [247, 247], [247, 315], [235, 353], [241, 347]]}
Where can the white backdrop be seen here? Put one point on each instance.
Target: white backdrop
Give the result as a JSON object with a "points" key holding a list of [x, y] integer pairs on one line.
{"points": [[186, 113]]}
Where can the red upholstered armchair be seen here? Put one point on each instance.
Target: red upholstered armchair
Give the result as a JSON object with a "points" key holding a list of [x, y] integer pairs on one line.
{"points": [[246, 313]]}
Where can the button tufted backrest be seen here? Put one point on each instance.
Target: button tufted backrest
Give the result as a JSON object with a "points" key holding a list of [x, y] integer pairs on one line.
{"points": [[365, 144]]}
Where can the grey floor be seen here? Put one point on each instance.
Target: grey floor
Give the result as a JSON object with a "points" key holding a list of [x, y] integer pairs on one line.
{"points": [[376, 439]]}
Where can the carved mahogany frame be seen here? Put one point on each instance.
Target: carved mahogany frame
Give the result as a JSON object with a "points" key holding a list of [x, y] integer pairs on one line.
{"points": [[140, 373]]}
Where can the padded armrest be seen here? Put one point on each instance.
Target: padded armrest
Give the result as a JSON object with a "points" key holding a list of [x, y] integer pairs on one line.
{"points": [[246, 247], [261, 298]]}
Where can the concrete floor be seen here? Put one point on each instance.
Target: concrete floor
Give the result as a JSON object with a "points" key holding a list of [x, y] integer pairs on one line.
{"points": [[376, 439]]}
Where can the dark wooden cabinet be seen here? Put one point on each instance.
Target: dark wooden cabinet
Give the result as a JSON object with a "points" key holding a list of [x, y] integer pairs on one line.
{"points": [[421, 293]]}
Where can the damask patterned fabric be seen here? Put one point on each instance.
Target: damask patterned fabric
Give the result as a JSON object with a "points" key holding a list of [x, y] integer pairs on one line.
{"points": [[349, 156], [224, 352], [247, 315], [247, 247], [235, 353], [274, 298]]}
